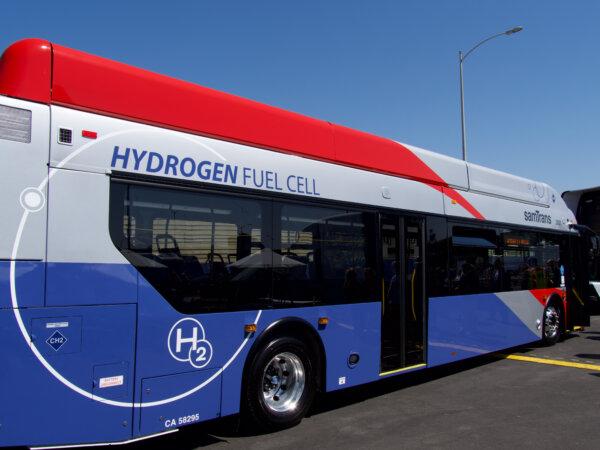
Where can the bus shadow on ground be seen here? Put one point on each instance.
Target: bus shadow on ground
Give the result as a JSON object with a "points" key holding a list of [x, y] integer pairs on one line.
{"points": [[353, 395], [587, 356], [217, 431]]}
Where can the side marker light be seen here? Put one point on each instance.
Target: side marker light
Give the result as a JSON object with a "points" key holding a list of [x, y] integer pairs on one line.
{"points": [[250, 328], [89, 134]]}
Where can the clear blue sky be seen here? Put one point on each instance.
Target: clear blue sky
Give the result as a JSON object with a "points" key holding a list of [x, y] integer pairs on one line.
{"points": [[386, 67]]}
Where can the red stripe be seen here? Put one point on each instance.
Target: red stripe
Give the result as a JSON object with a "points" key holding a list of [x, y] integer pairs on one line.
{"points": [[542, 295]]}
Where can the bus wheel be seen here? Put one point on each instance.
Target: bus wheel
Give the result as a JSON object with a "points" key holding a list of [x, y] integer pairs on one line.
{"points": [[280, 384], [552, 324]]}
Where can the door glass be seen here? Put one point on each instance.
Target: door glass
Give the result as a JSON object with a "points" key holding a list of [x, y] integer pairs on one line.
{"points": [[413, 304], [391, 321]]}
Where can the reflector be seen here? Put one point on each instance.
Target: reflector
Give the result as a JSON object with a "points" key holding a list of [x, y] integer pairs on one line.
{"points": [[89, 134]]}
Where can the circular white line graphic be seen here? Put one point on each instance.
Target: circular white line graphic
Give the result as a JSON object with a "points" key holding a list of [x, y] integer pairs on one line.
{"points": [[32, 200]]}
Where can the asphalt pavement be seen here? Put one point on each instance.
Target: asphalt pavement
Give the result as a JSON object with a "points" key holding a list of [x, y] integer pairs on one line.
{"points": [[489, 402]]}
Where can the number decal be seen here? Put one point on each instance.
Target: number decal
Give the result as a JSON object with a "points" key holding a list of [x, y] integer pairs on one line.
{"points": [[201, 355], [201, 351]]}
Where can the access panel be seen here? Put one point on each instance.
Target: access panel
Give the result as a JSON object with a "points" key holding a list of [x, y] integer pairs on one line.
{"points": [[172, 401]]}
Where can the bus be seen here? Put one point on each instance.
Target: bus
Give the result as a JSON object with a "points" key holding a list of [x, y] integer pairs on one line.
{"points": [[585, 204], [171, 254]]}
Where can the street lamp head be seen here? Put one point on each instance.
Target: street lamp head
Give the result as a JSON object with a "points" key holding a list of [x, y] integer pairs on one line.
{"points": [[513, 30]]}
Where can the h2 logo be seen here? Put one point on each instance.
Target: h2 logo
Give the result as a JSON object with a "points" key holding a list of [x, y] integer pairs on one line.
{"points": [[187, 343]]}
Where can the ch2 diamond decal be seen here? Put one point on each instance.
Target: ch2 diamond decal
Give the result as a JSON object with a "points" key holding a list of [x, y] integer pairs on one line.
{"points": [[56, 341]]}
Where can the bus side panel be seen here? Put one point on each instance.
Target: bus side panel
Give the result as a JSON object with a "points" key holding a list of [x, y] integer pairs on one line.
{"points": [[29, 276], [353, 328], [90, 349], [77, 233], [464, 326], [22, 173]]}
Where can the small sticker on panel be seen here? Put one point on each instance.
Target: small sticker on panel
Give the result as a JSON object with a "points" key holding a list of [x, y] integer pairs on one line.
{"points": [[57, 324], [341, 380], [111, 381]]}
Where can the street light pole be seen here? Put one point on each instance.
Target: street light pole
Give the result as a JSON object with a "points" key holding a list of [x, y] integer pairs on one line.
{"points": [[461, 59], [462, 108]]}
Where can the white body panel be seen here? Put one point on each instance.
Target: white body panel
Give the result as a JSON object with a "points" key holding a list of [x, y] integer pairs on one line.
{"points": [[24, 166], [78, 219], [494, 182], [452, 170]]}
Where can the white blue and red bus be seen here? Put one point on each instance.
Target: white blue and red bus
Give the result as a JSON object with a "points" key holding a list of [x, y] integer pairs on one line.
{"points": [[171, 254]]}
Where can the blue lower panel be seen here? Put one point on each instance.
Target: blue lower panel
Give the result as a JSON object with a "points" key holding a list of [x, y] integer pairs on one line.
{"points": [[204, 404], [90, 284], [465, 326], [352, 328], [29, 283], [81, 344]]}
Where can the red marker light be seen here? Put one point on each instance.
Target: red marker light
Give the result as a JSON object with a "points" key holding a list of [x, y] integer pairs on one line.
{"points": [[89, 134]]}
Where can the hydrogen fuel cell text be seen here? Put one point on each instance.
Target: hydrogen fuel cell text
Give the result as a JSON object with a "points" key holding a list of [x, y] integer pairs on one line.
{"points": [[132, 159]]}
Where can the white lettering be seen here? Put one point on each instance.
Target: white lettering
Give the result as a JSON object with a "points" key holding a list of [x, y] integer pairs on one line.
{"points": [[181, 340]]}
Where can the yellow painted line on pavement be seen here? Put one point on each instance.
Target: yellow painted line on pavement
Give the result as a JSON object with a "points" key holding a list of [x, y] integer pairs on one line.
{"points": [[553, 362]]}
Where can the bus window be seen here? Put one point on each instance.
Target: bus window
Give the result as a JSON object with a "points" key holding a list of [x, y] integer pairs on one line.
{"points": [[325, 256], [202, 252], [589, 210], [474, 260], [437, 257], [531, 260]]}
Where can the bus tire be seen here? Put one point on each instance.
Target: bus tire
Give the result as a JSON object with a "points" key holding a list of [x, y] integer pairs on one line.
{"points": [[280, 384], [552, 324]]}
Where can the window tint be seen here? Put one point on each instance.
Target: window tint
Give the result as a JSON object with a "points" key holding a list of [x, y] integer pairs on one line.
{"points": [[215, 252], [498, 260], [592, 254], [473, 261], [325, 255], [589, 210], [200, 251], [437, 257], [531, 260]]}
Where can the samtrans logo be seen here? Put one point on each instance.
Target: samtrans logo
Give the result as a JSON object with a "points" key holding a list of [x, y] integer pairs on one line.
{"points": [[536, 216]]}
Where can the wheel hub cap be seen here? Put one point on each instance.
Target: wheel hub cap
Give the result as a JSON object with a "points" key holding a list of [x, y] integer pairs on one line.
{"points": [[551, 322], [283, 382]]}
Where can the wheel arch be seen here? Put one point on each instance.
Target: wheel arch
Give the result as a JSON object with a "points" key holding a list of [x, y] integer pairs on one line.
{"points": [[291, 327]]}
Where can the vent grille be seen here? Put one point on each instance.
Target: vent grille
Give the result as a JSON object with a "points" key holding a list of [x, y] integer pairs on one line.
{"points": [[15, 124], [65, 136]]}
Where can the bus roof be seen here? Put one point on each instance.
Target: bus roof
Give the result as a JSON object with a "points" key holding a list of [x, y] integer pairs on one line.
{"points": [[44, 72]]}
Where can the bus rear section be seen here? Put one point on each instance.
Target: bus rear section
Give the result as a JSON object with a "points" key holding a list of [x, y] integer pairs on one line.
{"points": [[67, 320]]}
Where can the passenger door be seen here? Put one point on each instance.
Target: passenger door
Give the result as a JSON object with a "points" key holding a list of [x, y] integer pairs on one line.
{"points": [[402, 318]]}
